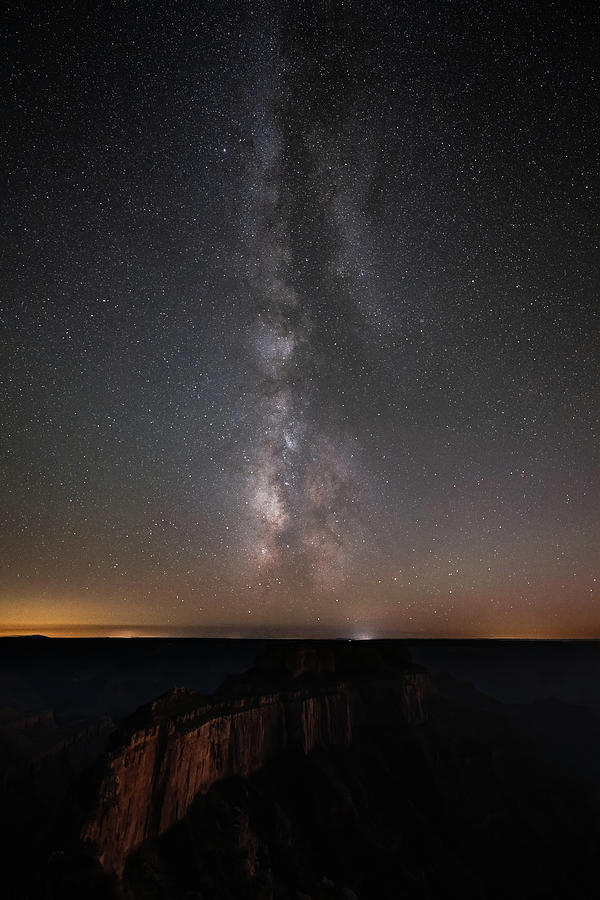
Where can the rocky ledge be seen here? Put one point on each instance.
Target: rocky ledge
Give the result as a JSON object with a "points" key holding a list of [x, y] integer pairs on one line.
{"points": [[298, 696]]}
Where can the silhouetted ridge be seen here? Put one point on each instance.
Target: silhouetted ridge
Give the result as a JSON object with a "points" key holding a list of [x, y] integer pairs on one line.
{"points": [[298, 696]]}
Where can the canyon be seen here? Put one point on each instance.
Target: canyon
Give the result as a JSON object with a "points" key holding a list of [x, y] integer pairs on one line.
{"points": [[177, 747], [330, 770]]}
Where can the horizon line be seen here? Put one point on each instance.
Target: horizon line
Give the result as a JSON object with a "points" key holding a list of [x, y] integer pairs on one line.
{"points": [[273, 632]]}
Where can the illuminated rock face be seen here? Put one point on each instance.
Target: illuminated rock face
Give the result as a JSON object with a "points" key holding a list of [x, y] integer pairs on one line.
{"points": [[184, 744]]}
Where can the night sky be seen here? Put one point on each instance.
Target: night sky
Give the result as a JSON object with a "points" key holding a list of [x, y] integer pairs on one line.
{"points": [[300, 317]]}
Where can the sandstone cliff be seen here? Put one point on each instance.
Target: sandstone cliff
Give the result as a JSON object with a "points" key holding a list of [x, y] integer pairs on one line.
{"points": [[179, 746]]}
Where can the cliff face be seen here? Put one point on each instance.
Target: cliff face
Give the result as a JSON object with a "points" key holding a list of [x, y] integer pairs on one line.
{"points": [[182, 744]]}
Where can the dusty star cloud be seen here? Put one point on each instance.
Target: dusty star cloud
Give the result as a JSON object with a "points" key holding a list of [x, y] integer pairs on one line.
{"points": [[297, 478]]}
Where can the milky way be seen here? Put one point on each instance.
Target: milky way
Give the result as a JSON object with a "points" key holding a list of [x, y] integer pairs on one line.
{"points": [[299, 488]]}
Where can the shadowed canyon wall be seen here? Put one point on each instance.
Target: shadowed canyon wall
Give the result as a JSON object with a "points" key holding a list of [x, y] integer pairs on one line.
{"points": [[179, 746]]}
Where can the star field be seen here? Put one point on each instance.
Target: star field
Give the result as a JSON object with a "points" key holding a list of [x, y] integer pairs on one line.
{"points": [[300, 317]]}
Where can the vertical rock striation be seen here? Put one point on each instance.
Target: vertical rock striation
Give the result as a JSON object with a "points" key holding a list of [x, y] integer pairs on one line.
{"points": [[177, 747]]}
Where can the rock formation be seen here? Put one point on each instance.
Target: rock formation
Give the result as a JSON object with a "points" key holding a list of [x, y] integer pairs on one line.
{"points": [[179, 746]]}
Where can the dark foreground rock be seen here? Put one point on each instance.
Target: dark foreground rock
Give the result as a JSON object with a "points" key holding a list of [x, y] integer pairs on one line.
{"points": [[328, 770]]}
